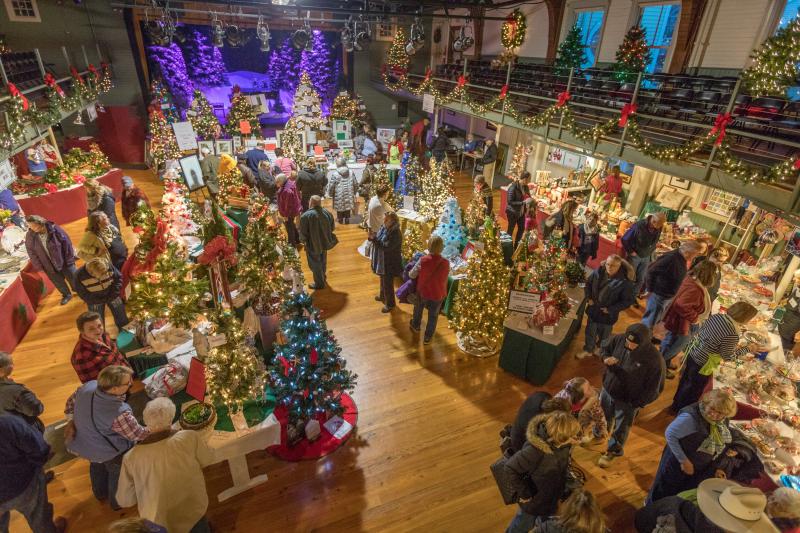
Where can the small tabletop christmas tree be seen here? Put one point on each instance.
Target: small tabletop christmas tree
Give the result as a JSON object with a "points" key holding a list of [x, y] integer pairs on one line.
{"points": [[436, 187], [175, 208], [408, 178], [234, 371], [480, 306], [204, 121], [547, 276], [242, 111], [450, 229], [519, 161], [344, 107], [412, 241], [308, 373], [161, 99], [571, 52], [292, 141], [381, 177], [633, 55], [163, 145], [231, 183]]}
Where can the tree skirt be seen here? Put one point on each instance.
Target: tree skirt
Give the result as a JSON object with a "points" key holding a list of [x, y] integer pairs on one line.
{"points": [[325, 444], [477, 347]]}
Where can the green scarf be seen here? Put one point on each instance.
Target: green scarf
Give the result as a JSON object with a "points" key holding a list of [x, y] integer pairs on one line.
{"points": [[719, 436]]}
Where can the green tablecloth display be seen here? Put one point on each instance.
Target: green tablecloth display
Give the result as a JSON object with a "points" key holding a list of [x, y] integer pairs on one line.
{"points": [[535, 358]]}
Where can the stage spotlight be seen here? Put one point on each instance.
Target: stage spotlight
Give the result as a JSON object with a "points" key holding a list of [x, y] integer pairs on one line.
{"points": [[262, 32], [347, 38], [363, 35], [301, 38], [416, 41], [463, 42], [218, 32]]}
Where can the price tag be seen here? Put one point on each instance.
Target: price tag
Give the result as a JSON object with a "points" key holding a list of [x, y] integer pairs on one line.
{"points": [[216, 340], [581, 285], [239, 422], [548, 330]]}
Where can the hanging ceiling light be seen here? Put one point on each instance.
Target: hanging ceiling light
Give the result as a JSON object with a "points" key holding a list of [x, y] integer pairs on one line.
{"points": [[160, 30], [463, 41], [262, 32], [416, 40], [302, 38], [362, 34], [217, 32], [347, 36]]}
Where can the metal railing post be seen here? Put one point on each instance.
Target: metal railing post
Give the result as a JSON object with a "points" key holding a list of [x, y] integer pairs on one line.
{"points": [[728, 109], [85, 57], [464, 89], [66, 57], [569, 86], [634, 97], [3, 75], [502, 103]]}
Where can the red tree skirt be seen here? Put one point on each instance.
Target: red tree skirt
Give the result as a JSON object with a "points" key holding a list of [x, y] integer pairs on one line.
{"points": [[325, 444]]}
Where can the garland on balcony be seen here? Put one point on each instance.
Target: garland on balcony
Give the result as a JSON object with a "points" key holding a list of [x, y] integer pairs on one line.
{"points": [[23, 113]]}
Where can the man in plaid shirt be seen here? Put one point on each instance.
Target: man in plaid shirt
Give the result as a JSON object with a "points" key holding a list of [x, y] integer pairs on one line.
{"points": [[94, 350]]}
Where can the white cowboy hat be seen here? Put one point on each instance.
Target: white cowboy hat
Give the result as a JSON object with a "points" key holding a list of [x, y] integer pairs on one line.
{"points": [[734, 508]]}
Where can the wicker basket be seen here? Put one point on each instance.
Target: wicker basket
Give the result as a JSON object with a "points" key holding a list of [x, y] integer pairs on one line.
{"points": [[210, 421]]}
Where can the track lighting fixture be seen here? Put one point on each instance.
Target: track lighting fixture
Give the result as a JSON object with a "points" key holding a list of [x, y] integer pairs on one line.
{"points": [[262, 32], [160, 30], [217, 32], [463, 41], [301, 38], [362, 34], [416, 40], [347, 36], [236, 36]]}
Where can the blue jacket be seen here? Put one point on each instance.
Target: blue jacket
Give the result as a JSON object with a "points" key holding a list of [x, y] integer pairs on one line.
{"points": [[254, 156], [641, 239], [61, 253], [23, 453], [615, 294], [94, 438]]}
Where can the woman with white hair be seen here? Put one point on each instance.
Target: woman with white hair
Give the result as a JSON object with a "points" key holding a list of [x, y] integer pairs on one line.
{"points": [[783, 508], [342, 188], [155, 472]]}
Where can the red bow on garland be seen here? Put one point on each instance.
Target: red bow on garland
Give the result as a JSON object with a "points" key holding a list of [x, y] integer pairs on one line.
{"points": [[627, 111], [796, 164], [722, 121], [461, 81], [219, 248], [74, 72], [50, 81], [563, 97], [503, 92], [94, 72], [427, 75], [285, 364], [13, 91]]}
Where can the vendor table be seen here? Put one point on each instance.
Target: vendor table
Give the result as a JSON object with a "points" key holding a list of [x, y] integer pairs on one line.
{"points": [[358, 170], [18, 301], [530, 354], [68, 205], [469, 155]]}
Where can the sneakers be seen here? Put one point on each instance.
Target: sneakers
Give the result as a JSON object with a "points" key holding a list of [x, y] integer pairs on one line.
{"points": [[590, 440], [413, 327], [426, 340], [606, 459], [65, 300], [386, 309], [583, 355]]}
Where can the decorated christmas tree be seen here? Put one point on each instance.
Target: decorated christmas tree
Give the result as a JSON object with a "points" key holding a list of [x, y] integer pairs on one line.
{"points": [[169, 64], [475, 213], [292, 141], [408, 178], [143, 222], [282, 69], [774, 67], [571, 53], [412, 241], [261, 260], [231, 183], [306, 109], [175, 207], [308, 374], [633, 55], [163, 145], [381, 177], [397, 59], [480, 306], [344, 107], [203, 61], [436, 187], [322, 66], [234, 371], [450, 229], [169, 291], [547, 277], [242, 111], [519, 161], [161, 99], [202, 117]]}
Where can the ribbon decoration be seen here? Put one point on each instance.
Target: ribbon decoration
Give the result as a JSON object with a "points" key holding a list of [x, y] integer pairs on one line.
{"points": [[461, 82], [563, 97], [13, 91], [722, 121], [285, 364], [50, 81], [74, 72], [796, 164], [627, 111], [93, 70], [427, 74], [503, 92], [314, 358]]}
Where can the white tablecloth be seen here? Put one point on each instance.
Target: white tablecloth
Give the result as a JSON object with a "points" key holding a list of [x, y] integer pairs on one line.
{"points": [[519, 321]]}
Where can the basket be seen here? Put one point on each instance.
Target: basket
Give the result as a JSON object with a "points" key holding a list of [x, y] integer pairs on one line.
{"points": [[210, 421]]}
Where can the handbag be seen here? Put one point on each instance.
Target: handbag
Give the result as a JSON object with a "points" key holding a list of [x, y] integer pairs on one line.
{"points": [[504, 485]]}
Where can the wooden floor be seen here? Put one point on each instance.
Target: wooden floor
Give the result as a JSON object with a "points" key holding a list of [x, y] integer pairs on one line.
{"points": [[426, 435]]}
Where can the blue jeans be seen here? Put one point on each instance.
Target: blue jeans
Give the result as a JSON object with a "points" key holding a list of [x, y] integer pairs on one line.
{"points": [[63, 279], [318, 264], [117, 311], [623, 415], [654, 312], [640, 265], [673, 343], [32, 503], [521, 523], [596, 333], [105, 478], [433, 307]]}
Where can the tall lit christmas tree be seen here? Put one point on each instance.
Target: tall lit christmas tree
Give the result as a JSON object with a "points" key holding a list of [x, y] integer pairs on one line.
{"points": [[475, 213], [306, 109], [308, 374], [450, 229], [571, 53], [412, 241], [242, 110], [344, 107], [203, 61], [633, 55], [774, 67], [480, 306], [204, 121], [169, 291], [397, 59], [163, 145], [234, 371], [292, 141], [322, 66], [518, 161], [436, 187], [169, 63], [161, 99], [381, 177], [408, 178]]}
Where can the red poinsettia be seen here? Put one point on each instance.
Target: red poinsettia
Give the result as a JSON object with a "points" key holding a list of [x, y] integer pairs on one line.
{"points": [[219, 248], [79, 178], [50, 187]]}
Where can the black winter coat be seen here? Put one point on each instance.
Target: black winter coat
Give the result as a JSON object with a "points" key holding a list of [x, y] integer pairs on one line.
{"points": [[311, 182], [615, 294], [489, 155], [665, 274], [388, 258], [531, 407], [515, 198], [94, 291], [640, 239], [687, 516], [638, 376], [589, 242]]}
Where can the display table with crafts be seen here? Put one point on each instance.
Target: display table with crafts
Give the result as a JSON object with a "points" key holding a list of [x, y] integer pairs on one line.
{"points": [[68, 205], [358, 170], [530, 352]]}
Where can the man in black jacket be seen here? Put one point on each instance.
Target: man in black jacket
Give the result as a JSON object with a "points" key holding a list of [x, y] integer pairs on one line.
{"points": [[640, 242], [16, 398], [634, 377], [488, 160], [663, 279], [310, 181]]}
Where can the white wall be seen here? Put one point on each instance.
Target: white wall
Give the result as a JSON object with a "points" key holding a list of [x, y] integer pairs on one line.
{"points": [[535, 43], [620, 16]]}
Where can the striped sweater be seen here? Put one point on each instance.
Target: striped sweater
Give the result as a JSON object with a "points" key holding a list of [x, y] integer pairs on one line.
{"points": [[719, 334], [95, 291]]}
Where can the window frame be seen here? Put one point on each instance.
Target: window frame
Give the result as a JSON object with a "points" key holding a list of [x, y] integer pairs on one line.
{"points": [[778, 16], [16, 18], [671, 48], [604, 10]]}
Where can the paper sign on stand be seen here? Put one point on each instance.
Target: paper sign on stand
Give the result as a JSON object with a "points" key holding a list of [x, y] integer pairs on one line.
{"points": [[523, 302], [427, 102], [244, 127], [239, 422], [185, 135], [7, 174], [408, 202], [548, 330], [92, 112]]}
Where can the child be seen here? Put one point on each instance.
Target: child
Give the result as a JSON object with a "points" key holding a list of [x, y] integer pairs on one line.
{"points": [[589, 238], [585, 402]]}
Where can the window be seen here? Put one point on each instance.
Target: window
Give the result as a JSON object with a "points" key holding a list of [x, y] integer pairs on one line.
{"points": [[22, 10], [789, 13], [590, 23], [659, 22]]}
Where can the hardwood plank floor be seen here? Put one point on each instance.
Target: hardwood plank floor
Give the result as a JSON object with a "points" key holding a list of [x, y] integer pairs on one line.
{"points": [[427, 432]]}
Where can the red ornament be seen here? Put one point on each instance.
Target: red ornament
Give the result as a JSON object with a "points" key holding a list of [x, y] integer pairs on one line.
{"points": [[563, 97], [79, 178], [314, 358], [627, 111], [503, 92], [722, 121], [285, 364], [50, 187], [305, 393], [13, 91], [796, 164], [461, 81]]}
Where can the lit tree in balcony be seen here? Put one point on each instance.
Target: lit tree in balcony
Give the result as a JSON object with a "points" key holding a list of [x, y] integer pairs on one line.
{"points": [[633, 55], [204, 121], [203, 61], [242, 110], [774, 67], [322, 66], [397, 59], [571, 53], [163, 145]]}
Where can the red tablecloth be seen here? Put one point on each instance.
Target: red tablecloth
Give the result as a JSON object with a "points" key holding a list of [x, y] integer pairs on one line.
{"points": [[68, 205], [16, 315]]}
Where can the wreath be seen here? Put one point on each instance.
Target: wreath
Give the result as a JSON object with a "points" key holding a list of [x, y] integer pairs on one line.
{"points": [[513, 31]]}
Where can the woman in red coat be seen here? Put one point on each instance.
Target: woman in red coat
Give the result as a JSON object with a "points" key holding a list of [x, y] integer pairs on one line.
{"points": [[431, 274], [690, 307]]}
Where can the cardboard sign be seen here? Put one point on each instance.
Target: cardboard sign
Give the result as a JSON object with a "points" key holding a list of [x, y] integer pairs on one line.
{"points": [[7, 174], [244, 127], [523, 302], [92, 112], [408, 202], [196, 383], [185, 135], [428, 102]]}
